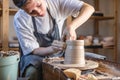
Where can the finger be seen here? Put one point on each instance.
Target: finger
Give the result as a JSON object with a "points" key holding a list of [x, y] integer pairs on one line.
{"points": [[71, 38], [56, 48], [64, 38], [59, 44]]}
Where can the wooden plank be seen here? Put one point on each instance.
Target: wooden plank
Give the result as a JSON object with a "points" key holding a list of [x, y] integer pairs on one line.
{"points": [[116, 30], [15, 49], [12, 11], [96, 22], [96, 6], [102, 17], [0, 31], [0, 15], [5, 24]]}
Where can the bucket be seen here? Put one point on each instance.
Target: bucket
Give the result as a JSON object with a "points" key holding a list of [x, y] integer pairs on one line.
{"points": [[9, 67]]}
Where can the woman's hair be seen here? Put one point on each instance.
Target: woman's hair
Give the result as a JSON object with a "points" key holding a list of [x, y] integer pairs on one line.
{"points": [[19, 3]]}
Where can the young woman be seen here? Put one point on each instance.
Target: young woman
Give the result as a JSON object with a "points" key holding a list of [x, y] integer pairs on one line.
{"points": [[38, 23]]}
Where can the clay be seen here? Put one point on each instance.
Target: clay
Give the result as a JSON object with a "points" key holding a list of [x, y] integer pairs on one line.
{"points": [[74, 53]]}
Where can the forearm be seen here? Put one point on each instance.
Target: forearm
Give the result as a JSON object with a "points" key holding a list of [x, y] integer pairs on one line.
{"points": [[54, 48], [85, 13], [43, 51]]}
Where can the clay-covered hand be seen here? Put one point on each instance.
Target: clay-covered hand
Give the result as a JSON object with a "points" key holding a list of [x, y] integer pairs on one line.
{"points": [[69, 34], [58, 45]]}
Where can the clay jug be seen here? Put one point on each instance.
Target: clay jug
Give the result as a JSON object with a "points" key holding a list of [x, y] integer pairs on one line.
{"points": [[74, 53]]}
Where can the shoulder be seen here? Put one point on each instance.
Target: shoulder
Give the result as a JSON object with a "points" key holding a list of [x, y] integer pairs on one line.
{"points": [[63, 2], [64, 8], [22, 20], [21, 15]]}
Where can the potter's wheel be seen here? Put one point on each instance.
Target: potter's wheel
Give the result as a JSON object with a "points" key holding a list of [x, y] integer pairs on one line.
{"points": [[89, 64]]}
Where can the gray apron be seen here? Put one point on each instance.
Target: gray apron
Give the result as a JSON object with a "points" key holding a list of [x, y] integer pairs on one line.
{"points": [[44, 40]]}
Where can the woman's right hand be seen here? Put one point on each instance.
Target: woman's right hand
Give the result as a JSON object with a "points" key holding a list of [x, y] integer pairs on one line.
{"points": [[68, 34]]}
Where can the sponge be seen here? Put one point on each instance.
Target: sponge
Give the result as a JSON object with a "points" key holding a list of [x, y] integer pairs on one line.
{"points": [[73, 73]]}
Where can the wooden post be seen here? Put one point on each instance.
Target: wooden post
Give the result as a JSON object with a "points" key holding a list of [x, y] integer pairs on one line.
{"points": [[116, 30], [0, 19], [96, 22], [5, 24]]}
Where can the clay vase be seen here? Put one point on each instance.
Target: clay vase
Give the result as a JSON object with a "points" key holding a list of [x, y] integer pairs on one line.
{"points": [[74, 53]]}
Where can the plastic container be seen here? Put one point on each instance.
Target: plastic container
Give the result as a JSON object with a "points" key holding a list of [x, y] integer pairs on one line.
{"points": [[9, 67]]}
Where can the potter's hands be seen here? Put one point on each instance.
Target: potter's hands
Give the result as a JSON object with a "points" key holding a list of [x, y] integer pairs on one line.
{"points": [[58, 46], [69, 34]]}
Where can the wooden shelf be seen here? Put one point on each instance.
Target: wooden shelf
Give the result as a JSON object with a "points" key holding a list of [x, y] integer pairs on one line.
{"points": [[15, 49], [98, 47], [5, 12], [115, 26], [102, 17], [11, 11], [12, 46]]}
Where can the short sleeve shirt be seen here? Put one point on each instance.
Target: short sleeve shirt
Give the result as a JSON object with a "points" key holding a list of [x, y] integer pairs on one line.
{"points": [[59, 9]]}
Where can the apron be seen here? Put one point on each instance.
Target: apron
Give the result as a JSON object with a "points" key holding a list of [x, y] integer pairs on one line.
{"points": [[44, 40]]}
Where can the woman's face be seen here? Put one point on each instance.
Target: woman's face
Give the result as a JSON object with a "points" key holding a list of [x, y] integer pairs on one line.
{"points": [[35, 7]]}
